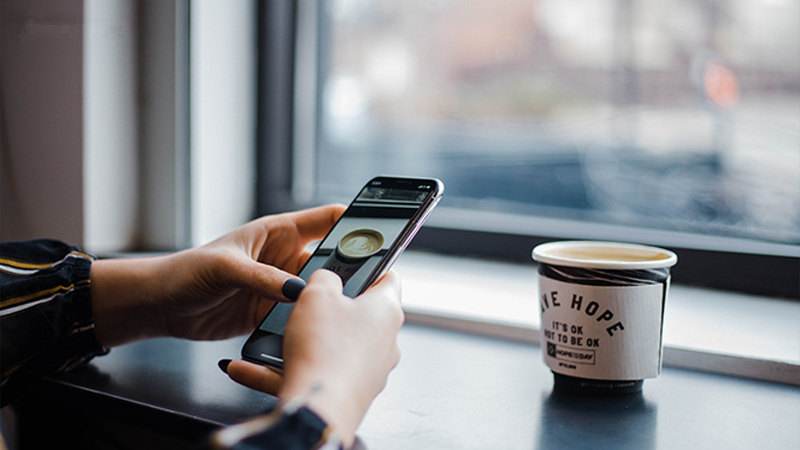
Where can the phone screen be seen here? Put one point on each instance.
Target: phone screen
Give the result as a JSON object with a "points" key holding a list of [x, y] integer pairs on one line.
{"points": [[365, 234]]}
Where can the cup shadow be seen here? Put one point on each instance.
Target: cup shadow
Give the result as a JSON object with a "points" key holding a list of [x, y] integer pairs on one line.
{"points": [[573, 421]]}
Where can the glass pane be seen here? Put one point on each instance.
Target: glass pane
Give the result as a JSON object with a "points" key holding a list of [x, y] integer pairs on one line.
{"points": [[670, 114]]}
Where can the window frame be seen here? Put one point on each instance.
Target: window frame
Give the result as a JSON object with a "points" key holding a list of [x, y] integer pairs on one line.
{"points": [[289, 73]]}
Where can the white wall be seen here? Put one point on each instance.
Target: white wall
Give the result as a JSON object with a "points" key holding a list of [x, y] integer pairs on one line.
{"points": [[68, 163], [41, 141], [110, 126], [223, 98], [94, 121], [164, 124]]}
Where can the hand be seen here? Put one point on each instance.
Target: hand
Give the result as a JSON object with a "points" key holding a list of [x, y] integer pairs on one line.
{"points": [[216, 291], [347, 347]]}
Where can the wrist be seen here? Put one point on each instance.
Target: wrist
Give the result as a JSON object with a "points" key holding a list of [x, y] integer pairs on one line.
{"points": [[124, 296], [338, 407]]}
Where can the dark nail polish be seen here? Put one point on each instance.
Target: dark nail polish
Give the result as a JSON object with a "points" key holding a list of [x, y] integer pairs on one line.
{"points": [[292, 288], [223, 364]]}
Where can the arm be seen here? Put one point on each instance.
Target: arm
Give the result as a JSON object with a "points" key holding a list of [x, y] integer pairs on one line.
{"points": [[58, 308], [216, 291]]}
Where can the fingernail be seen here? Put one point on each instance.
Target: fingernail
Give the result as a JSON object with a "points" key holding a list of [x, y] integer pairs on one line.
{"points": [[292, 288], [223, 364]]}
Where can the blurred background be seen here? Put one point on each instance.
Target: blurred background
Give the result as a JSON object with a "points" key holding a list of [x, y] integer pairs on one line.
{"points": [[680, 115], [154, 125]]}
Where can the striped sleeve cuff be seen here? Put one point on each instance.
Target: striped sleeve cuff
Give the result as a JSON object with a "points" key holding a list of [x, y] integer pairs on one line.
{"points": [[46, 320]]}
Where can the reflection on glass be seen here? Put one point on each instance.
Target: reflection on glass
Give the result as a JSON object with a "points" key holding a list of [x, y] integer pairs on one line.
{"points": [[666, 114]]}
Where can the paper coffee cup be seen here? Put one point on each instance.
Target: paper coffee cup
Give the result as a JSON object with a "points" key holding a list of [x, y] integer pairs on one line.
{"points": [[602, 313]]}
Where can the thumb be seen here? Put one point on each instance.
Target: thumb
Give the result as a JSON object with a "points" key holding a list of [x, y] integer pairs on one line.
{"points": [[254, 376], [268, 281]]}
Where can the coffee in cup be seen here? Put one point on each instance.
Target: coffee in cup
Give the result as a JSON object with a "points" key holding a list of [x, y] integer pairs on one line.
{"points": [[602, 310], [353, 250]]}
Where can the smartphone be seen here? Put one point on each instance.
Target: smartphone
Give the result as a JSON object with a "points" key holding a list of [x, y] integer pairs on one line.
{"points": [[361, 246]]}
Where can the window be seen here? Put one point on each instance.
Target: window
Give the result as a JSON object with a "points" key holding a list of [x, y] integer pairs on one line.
{"points": [[670, 122]]}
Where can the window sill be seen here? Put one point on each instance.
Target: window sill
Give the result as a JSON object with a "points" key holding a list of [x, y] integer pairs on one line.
{"points": [[710, 330]]}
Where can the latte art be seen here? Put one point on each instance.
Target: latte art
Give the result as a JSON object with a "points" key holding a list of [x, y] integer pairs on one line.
{"points": [[360, 243]]}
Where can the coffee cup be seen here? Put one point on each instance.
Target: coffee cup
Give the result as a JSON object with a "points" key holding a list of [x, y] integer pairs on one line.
{"points": [[353, 250], [602, 313]]}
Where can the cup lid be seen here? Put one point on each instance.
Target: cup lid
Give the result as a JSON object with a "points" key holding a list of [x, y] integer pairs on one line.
{"points": [[603, 255]]}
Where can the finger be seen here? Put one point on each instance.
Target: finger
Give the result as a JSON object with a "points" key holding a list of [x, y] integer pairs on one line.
{"points": [[254, 376], [268, 281], [324, 279], [383, 299], [396, 354], [388, 286], [315, 223], [305, 255]]}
